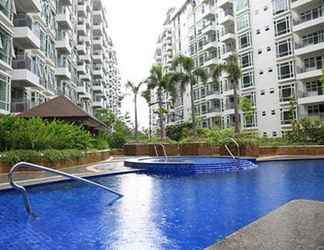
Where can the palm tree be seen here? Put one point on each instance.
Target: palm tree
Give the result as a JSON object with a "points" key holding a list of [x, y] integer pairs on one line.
{"points": [[161, 82], [147, 96], [232, 68], [135, 90], [186, 73]]}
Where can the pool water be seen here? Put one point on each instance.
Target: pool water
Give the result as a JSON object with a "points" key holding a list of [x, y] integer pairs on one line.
{"points": [[158, 211]]}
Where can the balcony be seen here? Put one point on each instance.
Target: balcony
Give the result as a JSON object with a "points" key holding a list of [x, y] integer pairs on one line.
{"points": [[82, 29], [97, 43], [20, 105], [97, 16], [97, 72], [98, 29], [82, 10], [227, 54], [81, 89], [307, 73], [62, 43], [64, 18], [209, 28], [98, 103], [24, 36], [300, 4], [28, 6], [225, 4], [82, 50], [228, 19], [227, 37], [315, 18], [309, 46], [86, 76], [210, 45], [98, 87], [85, 58], [23, 74], [97, 57], [63, 69]]}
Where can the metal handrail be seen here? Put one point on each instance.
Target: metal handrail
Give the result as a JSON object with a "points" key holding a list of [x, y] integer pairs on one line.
{"points": [[230, 152], [237, 146], [20, 188], [164, 151]]}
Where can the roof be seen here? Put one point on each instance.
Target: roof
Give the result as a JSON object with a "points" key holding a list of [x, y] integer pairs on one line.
{"points": [[62, 108]]}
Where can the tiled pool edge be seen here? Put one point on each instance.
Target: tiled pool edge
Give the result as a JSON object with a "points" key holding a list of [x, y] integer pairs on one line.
{"points": [[299, 224]]}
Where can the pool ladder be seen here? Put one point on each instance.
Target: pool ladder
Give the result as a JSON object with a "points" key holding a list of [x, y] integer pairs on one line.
{"points": [[164, 151], [231, 153], [23, 190]]}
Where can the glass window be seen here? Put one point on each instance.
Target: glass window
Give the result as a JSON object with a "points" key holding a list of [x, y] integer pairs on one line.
{"points": [[282, 26], [246, 60], [241, 5], [279, 6], [4, 94], [247, 79], [245, 40], [285, 70], [243, 22], [284, 48]]}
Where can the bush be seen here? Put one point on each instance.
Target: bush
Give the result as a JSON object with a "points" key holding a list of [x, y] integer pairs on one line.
{"points": [[101, 141], [37, 134], [178, 132], [15, 156]]}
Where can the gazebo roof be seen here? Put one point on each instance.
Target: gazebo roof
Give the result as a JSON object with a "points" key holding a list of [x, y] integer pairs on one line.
{"points": [[61, 108]]}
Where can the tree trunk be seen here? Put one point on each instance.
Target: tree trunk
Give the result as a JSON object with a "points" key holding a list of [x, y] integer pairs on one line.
{"points": [[136, 121], [236, 110], [161, 115], [193, 115]]}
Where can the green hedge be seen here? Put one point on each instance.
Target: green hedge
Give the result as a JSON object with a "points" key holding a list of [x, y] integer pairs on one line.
{"points": [[37, 134], [15, 156]]}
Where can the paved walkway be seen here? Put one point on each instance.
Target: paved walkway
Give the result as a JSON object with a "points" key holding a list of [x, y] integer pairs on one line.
{"points": [[111, 166], [296, 225]]}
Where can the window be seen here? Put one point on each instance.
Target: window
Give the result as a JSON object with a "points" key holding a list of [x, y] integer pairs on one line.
{"points": [[274, 134], [313, 38], [261, 72], [246, 60], [282, 26], [314, 63], [267, 28], [4, 94], [279, 6], [245, 40], [243, 22], [258, 32], [259, 51], [247, 79], [241, 5], [272, 91], [265, 8], [270, 70], [285, 70], [262, 92], [273, 112], [264, 113], [268, 48], [287, 116], [265, 134], [314, 88], [315, 109], [287, 92], [283, 48]]}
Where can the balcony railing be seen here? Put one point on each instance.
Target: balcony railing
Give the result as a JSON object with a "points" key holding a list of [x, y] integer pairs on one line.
{"points": [[310, 15]]}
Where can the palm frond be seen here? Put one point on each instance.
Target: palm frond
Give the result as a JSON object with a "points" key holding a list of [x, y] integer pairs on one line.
{"points": [[202, 74]]}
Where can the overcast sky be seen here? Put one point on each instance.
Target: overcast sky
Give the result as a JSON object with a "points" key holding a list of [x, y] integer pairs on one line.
{"points": [[135, 26]]}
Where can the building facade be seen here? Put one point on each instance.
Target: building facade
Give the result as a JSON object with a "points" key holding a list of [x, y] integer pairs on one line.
{"points": [[280, 47], [56, 47]]}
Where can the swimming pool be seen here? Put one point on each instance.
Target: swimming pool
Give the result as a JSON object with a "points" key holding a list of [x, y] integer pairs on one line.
{"points": [[170, 211]]}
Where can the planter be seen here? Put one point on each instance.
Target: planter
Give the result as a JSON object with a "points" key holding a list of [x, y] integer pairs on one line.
{"points": [[199, 149]]}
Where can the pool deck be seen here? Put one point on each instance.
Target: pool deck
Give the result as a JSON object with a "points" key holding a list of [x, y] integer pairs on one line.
{"points": [[110, 166], [297, 225]]}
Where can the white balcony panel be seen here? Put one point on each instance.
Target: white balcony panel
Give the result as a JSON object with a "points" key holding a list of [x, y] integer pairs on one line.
{"points": [[25, 78], [64, 20], [299, 4], [25, 38], [311, 100], [63, 72], [225, 4], [309, 49], [309, 74], [309, 24], [26, 6], [227, 37], [63, 46]]}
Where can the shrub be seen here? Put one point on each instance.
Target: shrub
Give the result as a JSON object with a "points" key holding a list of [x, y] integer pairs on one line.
{"points": [[178, 132], [15, 156], [37, 134]]}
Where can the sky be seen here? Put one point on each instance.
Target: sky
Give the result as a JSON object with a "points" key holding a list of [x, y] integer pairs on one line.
{"points": [[135, 27]]}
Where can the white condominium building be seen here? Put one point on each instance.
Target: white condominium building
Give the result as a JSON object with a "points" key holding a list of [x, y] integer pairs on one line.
{"points": [[56, 47], [280, 46]]}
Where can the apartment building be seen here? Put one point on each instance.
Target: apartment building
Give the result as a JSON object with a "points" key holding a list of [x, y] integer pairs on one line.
{"points": [[280, 46], [56, 47]]}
